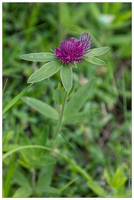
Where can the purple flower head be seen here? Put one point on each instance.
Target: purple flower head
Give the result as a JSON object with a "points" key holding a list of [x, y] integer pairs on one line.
{"points": [[73, 49]]}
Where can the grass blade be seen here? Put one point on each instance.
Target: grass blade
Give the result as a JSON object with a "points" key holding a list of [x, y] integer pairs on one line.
{"points": [[13, 101], [25, 147]]}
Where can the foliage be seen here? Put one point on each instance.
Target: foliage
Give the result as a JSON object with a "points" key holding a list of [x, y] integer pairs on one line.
{"points": [[91, 157]]}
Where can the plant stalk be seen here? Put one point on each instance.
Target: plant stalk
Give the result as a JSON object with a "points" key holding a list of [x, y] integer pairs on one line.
{"points": [[33, 179], [61, 115]]}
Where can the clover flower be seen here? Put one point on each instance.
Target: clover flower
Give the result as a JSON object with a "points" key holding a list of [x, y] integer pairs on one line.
{"points": [[65, 58], [73, 49]]}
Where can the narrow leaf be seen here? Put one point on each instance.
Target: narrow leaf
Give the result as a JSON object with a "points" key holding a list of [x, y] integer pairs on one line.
{"points": [[108, 178], [44, 72], [123, 16], [41, 107], [5, 85], [39, 57], [98, 51], [8, 136], [22, 192], [41, 161], [94, 60], [68, 184], [120, 182], [99, 190], [78, 99], [48, 190], [13, 101], [80, 117], [21, 179], [119, 40], [66, 77], [45, 176], [117, 176], [58, 96]]}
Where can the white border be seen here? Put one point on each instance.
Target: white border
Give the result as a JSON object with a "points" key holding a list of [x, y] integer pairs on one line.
{"points": [[1, 81], [57, 1]]}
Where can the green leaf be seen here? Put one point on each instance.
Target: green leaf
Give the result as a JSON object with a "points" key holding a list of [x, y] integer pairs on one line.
{"points": [[8, 136], [36, 161], [58, 95], [97, 189], [80, 117], [95, 10], [13, 101], [21, 179], [108, 178], [94, 60], [116, 8], [41, 107], [118, 180], [48, 190], [78, 99], [5, 85], [39, 57], [45, 176], [7, 182], [66, 76], [22, 192], [71, 91], [97, 51], [24, 164], [41, 161], [119, 40], [68, 184], [121, 17], [44, 72], [64, 14], [117, 176]]}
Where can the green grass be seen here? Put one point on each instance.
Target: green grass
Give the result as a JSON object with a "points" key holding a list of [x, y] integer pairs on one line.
{"points": [[92, 157]]}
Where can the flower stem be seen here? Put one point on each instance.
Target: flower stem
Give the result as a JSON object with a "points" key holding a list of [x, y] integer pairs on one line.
{"points": [[33, 179], [61, 115]]}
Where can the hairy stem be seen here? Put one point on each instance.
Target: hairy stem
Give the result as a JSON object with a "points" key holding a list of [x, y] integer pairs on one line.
{"points": [[33, 179], [61, 115]]}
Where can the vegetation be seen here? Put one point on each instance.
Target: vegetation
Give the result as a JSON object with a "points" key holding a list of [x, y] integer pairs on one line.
{"points": [[91, 156]]}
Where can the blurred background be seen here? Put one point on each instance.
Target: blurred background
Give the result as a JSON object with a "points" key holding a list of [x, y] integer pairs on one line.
{"points": [[102, 146]]}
